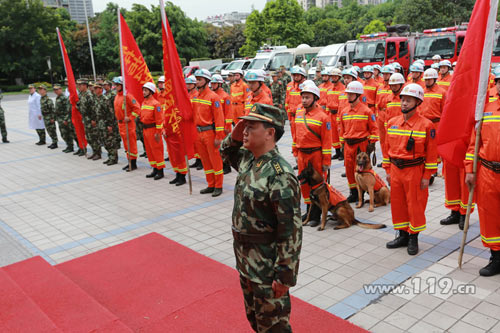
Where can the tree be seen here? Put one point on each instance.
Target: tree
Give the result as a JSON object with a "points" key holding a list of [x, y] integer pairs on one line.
{"points": [[373, 27], [329, 31], [254, 34]]}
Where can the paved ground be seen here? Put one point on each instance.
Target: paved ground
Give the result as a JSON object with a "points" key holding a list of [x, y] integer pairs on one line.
{"points": [[61, 207]]}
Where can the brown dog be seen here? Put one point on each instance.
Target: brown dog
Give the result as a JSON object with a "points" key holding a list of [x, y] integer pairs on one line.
{"points": [[329, 199], [368, 181]]}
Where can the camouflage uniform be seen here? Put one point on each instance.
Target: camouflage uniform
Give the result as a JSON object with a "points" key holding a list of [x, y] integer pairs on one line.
{"points": [[286, 79], [278, 91], [3, 128], [105, 118], [267, 231], [49, 117], [226, 87], [110, 97], [86, 106], [318, 81], [63, 116]]}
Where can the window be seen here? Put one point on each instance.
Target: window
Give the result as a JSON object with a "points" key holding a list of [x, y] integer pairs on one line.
{"points": [[403, 48], [391, 50]]}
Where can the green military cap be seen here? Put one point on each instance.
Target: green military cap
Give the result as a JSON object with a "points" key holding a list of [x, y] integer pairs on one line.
{"points": [[99, 79], [274, 73], [42, 86], [56, 86], [97, 85], [266, 113], [107, 82], [31, 85], [82, 81], [91, 83]]}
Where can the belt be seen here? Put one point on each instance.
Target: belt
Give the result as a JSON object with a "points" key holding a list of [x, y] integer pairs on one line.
{"points": [[120, 121], [334, 111], [401, 164], [309, 150], [352, 142], [371, 105], [435, 120], [492, 165], [264, 238], [148, 125], [234, 103], [205, 128]]}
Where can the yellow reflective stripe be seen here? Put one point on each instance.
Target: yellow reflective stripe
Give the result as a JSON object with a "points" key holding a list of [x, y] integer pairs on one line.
{"points": [[370, 88], [326, 151], [440, 96], [417, 134], [394, 104], [309, 121], [307, 200], [342, 97], [333, 92], [147, 107], [401, 225], [443, 83], [492, 99], [374, 137], [490, 240], [160, 164], [469, 157], [341, 139], [336, 145], [352, 185], [431, 165], [135, 114], [236, 94], [452, 202], [229, 121], [159, 126], [294, 93], [464, 205], [491, 119], [322, 89], [202, 101], [418, 229], [351, 117], [152, 162], [217, 129], [294, 144], [220, 172], [207, 172]]}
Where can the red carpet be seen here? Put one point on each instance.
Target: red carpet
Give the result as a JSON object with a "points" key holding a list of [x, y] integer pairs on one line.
{"points": [[150, 284]]}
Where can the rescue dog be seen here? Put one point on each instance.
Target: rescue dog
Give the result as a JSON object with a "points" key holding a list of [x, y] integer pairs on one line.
{"points": [[368, 181], [330, 200]]}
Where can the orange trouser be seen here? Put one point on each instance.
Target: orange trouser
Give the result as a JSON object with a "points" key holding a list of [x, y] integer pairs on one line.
{"points": [[132, 137], [335, 132], [154, 149], [488, 203], [316, 160], [456, 192], [350, 153], [381, 135], [176, 153], [210, 158], [439, 160], [408, 201], [238, 111]]}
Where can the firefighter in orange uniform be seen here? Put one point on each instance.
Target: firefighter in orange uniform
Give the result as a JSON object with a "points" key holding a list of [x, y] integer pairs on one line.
{"points": [[152, 117], [416, 72], [133, 110], [193, 93], [332, 106], [239, 94], [225, 99], [377, 70], [390, 108], [313, 143], [265, 88], [370, 87], [358, 130], [444, 74], [412, 151], [209, 120], [384, 91], [292, 97], [257, 95], [487, 179], [323, 89]]}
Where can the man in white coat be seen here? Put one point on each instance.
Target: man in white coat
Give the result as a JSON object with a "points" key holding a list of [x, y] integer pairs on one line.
{"points": [[35, 114]]}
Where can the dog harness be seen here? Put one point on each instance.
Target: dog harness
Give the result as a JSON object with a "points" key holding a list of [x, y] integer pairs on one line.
{"points": [[334, 196], [379, 182]]}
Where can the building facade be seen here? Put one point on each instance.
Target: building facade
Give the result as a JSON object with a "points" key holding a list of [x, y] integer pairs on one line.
{"points": [[76, 8], [306, 4]]}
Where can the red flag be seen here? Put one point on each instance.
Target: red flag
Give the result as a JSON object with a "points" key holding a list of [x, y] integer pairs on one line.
{"points": [[135, 72], [76, 116], [468, 89], [174, 82]]}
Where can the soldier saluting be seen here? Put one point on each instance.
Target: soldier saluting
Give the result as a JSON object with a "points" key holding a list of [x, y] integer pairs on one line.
{"points": [[266, 226]]}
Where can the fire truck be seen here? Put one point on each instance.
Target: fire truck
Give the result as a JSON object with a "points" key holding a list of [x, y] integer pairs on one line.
{"points": [[446, 42], [383, 48]]}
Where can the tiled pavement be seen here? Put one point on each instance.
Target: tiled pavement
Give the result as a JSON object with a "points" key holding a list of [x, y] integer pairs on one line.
{"points": [[61, 207]]}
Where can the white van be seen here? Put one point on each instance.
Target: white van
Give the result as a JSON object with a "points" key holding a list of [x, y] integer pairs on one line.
{"points": [[264, 56], [293, 57], [329, 57], [236, 64]]}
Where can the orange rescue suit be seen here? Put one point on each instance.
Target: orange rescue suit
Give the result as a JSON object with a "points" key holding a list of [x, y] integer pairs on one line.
{"points": [[227, 105], [152, 117], [333, 107], [133, 110], [239, 94], [262, 98]]}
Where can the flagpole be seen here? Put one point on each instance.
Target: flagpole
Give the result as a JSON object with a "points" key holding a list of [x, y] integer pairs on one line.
{"points": [[164, 22], [90, 40], [124, 89], [62, 52], [480, 100]]}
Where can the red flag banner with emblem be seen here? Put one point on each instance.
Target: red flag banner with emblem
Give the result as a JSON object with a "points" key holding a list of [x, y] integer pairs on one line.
{"points": [[468, 89], [178, 97], [135, 72], [76, 116]]}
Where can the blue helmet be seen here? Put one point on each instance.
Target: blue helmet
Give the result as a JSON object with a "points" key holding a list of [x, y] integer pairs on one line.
{"points": [[118, 80], [190, 79]]}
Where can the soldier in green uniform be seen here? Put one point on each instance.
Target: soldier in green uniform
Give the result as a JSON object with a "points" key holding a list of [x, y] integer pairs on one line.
{"points": [[3, 128], [267, 228], [86, 106], [278, 91], [285, 77], [49, 115], [63, 116], [110, 97], [318, 79], [105, 120]]}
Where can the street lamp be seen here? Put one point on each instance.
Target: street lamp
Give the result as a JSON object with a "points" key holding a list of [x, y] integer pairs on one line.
{"points": [[49, 64]]}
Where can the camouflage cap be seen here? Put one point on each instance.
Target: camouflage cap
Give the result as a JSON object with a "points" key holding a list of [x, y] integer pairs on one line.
{"points": [[107, 82], [91, 83], [42, 86], [82, 81], [274, 74], [97, 85], [31, 85], [266, 113], [56, 86]]}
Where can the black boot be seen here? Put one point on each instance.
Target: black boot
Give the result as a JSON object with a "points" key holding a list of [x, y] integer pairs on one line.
{"points": [[181, 180], [217, 192], [167, 159], [343, 175], [353, 197], [413, 244], [40, 143], [82, 152], [341, 157], [461, 222], [78, 151], [400, 240], [96, 157], [207, 190], [112, 162], [152, 174], [493, 266], [91, 156], [196, 163], [4, 140], [315, 216], [133, 166], [227, 168], [143, 155], [174, 181], [69, 150], [159, 174], [379, 165], [200, 166], [338, 153], [106, 162], [304, 216], [431, 180], [453, 218], [52, 146]]}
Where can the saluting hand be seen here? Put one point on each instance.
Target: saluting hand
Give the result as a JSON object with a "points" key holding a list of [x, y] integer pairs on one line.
{"points": [[237, 134]]}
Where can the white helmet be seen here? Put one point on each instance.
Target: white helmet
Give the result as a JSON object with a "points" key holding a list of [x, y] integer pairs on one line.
{"points": [[310, 87], [430, 73], [191, 79], [445, 63], [298, 70], [217, 78], [397, 65], [417, 68], [436, 57], [355, 87], [336, 72], [161, 79], [387, 69], [396, 78], [237, 71], [367, 69], [419, 61], [352, 72], [151, 86], [254, 75], [414, 90], [203, 73]]}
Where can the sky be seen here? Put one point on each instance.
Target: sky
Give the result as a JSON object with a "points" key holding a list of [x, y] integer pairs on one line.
{"points": [[199, 9]]}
